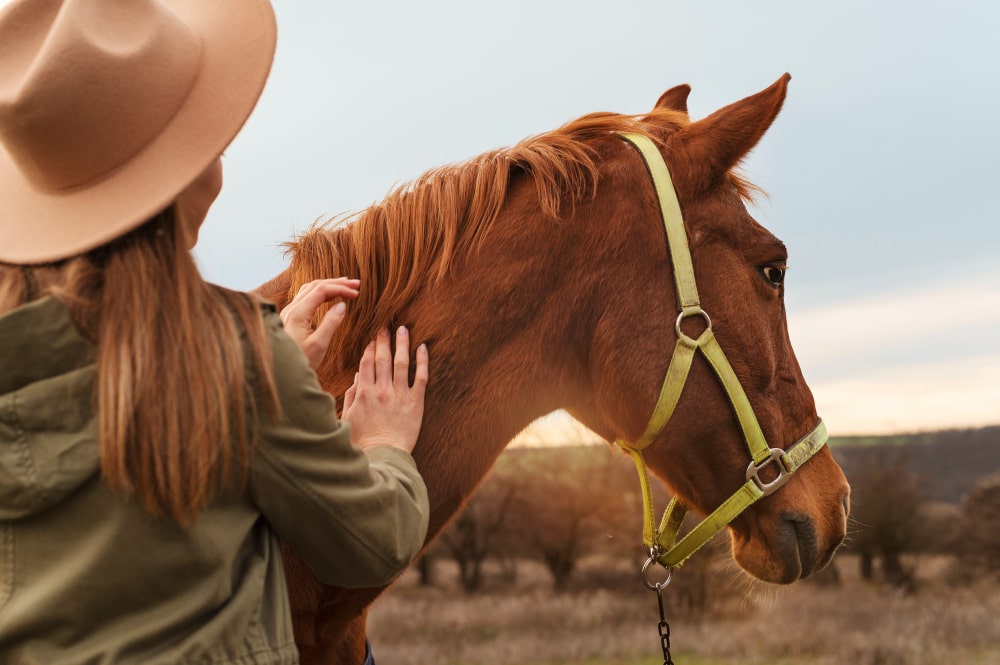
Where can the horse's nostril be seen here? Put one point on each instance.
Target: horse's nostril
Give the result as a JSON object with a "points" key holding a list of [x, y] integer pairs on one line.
{"points": [[807, 541]]}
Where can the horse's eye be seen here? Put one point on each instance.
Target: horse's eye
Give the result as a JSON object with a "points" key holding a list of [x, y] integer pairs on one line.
{"points": [[774, 274]]}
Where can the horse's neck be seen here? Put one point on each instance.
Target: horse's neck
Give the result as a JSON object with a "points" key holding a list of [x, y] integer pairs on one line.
{"points": [[489, 378], [495, 367]]}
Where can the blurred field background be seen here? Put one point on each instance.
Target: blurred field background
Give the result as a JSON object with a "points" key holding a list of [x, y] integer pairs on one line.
{"points": [[542, 568]]}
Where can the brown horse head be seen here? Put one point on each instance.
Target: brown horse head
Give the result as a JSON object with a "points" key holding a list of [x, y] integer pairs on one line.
{"points": [[539, 275], [740, 270]]}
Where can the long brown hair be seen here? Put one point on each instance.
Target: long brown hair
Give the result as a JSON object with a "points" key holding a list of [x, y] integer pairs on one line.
{"points": [[176, 391]]}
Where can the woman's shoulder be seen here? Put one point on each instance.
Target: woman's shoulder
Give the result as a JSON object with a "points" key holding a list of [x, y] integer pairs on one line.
{"points": [[247, 309], [300, 396], [265, 341]]}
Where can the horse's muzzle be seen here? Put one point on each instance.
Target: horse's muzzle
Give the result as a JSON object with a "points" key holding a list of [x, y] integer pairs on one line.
{"points": [[801, 549]]}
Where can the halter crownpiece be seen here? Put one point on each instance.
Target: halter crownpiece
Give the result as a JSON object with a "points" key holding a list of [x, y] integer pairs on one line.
{"points": [[662, 542]]}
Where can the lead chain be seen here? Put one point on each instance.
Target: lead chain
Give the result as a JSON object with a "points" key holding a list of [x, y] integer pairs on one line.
{"points": [[664, 629]]}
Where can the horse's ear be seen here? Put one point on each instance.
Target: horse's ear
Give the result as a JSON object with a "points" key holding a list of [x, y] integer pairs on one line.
{"points": [[675, 99], [718, 142]]}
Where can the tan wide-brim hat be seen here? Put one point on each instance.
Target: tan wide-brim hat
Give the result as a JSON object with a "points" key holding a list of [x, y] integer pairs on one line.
{"points": [[109, 109]]}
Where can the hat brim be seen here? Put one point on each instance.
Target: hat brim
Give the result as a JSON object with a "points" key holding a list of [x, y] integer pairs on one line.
{"points": [[238, 49]]}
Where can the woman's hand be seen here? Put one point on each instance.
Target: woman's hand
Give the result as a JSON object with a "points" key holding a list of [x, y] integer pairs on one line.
{"points": [[382, 407], [297, 316]]}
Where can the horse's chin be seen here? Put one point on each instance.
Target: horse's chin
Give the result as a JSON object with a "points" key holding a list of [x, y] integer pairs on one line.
{"points": [[791, 550]]}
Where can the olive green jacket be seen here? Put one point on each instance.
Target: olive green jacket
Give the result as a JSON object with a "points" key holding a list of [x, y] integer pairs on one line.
{"points": [[88, 577]]}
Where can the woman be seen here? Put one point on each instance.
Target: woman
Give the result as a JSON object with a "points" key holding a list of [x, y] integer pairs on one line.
{"points": [[159, 436]]}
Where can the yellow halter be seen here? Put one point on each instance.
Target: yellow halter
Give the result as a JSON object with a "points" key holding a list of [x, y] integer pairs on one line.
{"points": [[661, 541]]}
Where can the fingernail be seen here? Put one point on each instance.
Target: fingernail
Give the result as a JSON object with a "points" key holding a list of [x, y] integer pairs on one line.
{"points": [[384, 332], [402, 331], [422, 348], [340, 307]]}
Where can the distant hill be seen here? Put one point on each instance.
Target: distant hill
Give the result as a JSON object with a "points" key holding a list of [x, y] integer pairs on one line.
{"points": [[950, 461]]}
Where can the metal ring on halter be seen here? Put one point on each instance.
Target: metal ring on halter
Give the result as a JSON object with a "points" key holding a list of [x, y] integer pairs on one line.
{"points": [[655, 586], [687, 312]]}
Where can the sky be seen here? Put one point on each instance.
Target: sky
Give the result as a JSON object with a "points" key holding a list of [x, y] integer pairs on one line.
{"points": [[881, 169]]}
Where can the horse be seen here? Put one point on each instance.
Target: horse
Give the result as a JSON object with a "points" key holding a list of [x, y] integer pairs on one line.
{"points": [[540, 279]]}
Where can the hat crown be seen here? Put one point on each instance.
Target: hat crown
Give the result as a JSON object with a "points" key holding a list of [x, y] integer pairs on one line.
{"points": [[81, 94], [110, 108]]}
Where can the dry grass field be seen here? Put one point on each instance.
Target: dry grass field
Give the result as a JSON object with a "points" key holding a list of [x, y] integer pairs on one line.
{"points": [[609, 618]]}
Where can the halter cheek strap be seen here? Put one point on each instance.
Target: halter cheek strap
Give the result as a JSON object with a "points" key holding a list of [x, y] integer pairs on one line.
{"points": [[662, 542]]}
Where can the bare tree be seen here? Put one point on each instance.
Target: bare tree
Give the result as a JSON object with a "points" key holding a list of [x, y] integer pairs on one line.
{"points": [[886, 505], [575, 504], [472, 536], [979, 545]]}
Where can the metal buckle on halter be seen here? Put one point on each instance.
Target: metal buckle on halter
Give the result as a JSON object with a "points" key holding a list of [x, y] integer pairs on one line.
{"points": [[753, 472]]}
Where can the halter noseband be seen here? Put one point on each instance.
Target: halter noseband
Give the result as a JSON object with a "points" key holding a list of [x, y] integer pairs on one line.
{"points": [[662, 542]]}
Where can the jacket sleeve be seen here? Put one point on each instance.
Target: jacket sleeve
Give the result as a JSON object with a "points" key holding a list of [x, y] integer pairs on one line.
{"points": [[357, 518]]}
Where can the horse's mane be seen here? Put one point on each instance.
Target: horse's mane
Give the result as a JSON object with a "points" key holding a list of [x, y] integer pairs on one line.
{"points": [[418, 232]]}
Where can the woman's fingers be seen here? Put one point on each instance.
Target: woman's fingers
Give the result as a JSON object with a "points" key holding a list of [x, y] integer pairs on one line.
{"points": [[311, 290], [383, 365], [350, 394], [366, 369], [297, 316], [401, 360], [381, 406], [313, 294], [333, 318], [383, 358], [421, 373]]}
